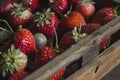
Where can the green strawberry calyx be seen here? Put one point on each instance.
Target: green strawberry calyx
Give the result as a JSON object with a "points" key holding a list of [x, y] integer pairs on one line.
{"points": [[43, 18], [18, 9], [11, 60], [77, 35]]}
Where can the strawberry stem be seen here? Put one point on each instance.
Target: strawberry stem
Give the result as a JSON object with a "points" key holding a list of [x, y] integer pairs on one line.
{"points": [[56, 44], [11, 30], [18, 29], [68, 12], [56, 49], [4, 30], [77, 33]]}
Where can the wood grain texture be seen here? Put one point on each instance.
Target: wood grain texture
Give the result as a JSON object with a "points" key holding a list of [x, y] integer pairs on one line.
{"points": [[99, 66], [76, 51]]}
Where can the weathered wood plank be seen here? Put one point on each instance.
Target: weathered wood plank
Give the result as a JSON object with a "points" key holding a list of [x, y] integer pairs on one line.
{"points": [[100, 65], [114, 74], [75, 52]]}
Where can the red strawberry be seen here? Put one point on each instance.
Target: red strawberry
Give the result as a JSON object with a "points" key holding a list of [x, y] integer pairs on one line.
{"points": [[32, 4], [44, 23], [24, 39], [18, 75], [58, 75], [20, 15], [70, 38], [66, 41], [11, 61], [71, 21], [86, 8], [90, 28], [105, 43], [5, 7], [59, 6], [44, 55], [104, 15]]}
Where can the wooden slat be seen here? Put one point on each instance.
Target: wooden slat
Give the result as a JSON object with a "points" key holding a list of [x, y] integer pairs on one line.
{"points": [[75, 52], [99, 66]]}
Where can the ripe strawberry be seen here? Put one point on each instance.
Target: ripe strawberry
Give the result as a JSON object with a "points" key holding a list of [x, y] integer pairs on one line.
{"points": [[5, 7], [58, 75], [32, 4], [66, 41], [90, 28], [71, 21], [19, 15], [104, 15], [12, 61], [44, 55], [105, 43], [86, 8], [44, 23], [24, 39], [18, 75], [70, 38], [59, 6]]}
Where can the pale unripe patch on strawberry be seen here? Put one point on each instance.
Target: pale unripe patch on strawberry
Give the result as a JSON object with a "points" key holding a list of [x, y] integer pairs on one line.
{"points": [[26, 12]]}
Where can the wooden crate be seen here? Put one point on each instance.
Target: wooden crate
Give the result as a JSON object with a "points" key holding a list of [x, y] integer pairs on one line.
{"points": [[92, 64], [100, 65]]}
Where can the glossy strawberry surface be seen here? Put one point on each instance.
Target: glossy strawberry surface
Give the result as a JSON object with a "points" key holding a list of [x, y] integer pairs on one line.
{"points": [[86, 9], [24, 40], [24, 19], [48, 29], [74, 19], [104, 15], [32, 4], [58, 75], [44, 55], [60, 6]]}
